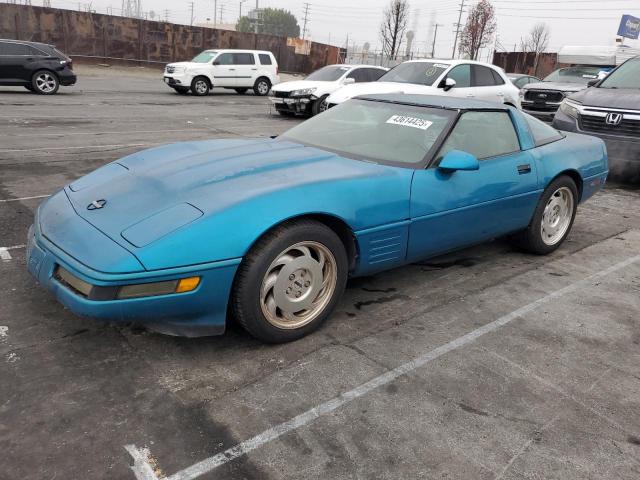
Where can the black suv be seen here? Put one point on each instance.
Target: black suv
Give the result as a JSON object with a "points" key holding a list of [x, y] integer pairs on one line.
{"points": [[609, 109], [38, 67]]}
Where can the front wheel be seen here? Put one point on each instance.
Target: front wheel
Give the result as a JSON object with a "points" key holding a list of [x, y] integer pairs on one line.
{"points": [[200, 86], [262, 86], [553, 218], [290, 281], [45, 82], [319, 106]]}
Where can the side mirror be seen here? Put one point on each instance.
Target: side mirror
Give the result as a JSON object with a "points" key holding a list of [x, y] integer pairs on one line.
{"points": [[216, 63], [458, 160], [348, 81], [448, 84], [592, 83]]}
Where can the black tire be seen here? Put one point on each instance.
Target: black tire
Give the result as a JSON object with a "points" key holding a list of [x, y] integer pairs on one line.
{"points": [[181, 90], [200, 86], [241, 91], [45, 82], [317, 106], [532, 239], [246, 293], [262, 86], [286, 113]]}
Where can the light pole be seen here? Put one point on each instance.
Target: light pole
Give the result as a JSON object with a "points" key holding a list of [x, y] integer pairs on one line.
{"points": [[240, 14]]}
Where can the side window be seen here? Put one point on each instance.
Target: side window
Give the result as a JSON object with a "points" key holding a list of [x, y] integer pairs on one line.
{"points": [[542, 133], [521, 82], [225, 59], [359, 75], [375, 74], [482, 76], [37, 52], [244, 59], [462, 75], [497, 79], [473, 130], [15, 49], [3, 48], [265, 59]]}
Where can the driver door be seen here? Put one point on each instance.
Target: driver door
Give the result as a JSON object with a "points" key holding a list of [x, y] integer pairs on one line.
{"points": [[224, 71], [462, 208], [462, 75]]}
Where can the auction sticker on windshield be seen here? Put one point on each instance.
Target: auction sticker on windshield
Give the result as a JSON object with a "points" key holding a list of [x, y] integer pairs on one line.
{"points": [[405, 121]]}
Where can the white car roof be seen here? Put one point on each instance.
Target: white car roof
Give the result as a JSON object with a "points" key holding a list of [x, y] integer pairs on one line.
{"points": [[349, 65], [224, 50]]}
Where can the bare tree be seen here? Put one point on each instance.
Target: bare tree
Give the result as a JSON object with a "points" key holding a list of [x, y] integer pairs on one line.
{"points": [[479, 29], [393, 26], [536, 42]]}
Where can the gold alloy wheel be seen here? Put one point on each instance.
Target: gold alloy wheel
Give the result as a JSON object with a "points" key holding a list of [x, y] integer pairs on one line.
{"points": [[298, 285]]}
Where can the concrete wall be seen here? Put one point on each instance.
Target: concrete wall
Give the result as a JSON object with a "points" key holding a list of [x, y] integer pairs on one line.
{"points": [[104, 38]]}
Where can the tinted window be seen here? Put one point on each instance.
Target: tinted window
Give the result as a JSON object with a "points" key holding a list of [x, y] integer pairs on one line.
{"points": [[244, 59], [383, 132], [328, 74], [36, 52], [265, 59], [482, 76], [542, 133], [626, 76], [521, 82], [422, 73], [359, 75], [483, 134], [14, 49], [225, 59], [497, 79], [462, 75], [375, 73]]}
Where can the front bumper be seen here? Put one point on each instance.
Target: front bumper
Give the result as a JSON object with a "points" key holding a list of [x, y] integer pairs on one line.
{"points": [[177, 80], [196, 313], [623, 152], [293, 104]]}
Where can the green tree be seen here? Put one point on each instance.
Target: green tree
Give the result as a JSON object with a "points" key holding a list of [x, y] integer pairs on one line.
{"points": [[273, 21]]}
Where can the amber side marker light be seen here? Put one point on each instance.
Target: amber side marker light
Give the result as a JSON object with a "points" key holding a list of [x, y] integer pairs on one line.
{"points": [[159, 288]]}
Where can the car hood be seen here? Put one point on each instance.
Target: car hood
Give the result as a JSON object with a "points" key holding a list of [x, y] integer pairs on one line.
{"points": [[350, 91], [557, 86], [186, 64], [150, 195], [628, 99], [300, 84]]}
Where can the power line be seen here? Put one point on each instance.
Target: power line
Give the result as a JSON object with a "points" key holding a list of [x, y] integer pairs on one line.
{"points": [[455, 42]]}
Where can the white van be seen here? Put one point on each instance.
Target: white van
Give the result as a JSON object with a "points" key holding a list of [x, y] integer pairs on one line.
{"points": [[239, 70]]}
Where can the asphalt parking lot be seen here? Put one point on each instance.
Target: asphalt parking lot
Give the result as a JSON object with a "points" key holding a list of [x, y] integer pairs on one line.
{"points": [[485, 364]]}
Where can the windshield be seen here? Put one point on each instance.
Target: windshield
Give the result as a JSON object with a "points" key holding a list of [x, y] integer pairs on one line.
{"points": [[422, 73], [626, 75], [204, 57], [581, 74], [386, 133], [328, 74]]}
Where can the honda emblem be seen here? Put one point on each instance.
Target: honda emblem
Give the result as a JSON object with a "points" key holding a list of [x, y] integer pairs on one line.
{"points": [[613, 119]]}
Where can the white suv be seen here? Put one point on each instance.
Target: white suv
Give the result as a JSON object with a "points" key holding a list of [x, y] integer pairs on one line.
{"points": [[455, 78], [239, 70]]}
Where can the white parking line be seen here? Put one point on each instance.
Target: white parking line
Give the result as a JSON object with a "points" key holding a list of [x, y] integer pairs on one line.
{"points": [[141, 466], [6, 200], [5, 256]]}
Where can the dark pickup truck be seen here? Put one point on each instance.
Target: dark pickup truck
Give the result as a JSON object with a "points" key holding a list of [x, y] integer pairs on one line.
{"points": [[610, 110]]}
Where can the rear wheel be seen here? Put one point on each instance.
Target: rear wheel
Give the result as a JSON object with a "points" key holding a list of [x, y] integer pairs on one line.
{"points": [[241, 91], [200, 86], [290, 281], [45, 82], [262, 86], [553, 218]]}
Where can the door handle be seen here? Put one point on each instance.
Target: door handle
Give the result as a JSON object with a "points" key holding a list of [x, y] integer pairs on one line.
{"points": [[522, 169], [254, 69], [232, 69], [501, 94], [470, 95]]}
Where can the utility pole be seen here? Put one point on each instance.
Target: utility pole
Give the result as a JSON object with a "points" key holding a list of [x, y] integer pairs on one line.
{"points": [[215, 12], [306, 14], [221, 11], [435, 35], [191, 6], [166, 15], [455, 42], [257, 18], [240, 13]]}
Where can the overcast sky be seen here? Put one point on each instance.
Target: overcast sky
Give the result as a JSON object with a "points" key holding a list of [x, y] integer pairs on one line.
{"points": [[572, 22]]}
